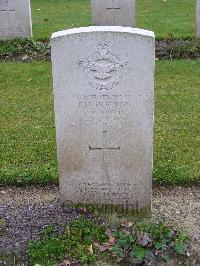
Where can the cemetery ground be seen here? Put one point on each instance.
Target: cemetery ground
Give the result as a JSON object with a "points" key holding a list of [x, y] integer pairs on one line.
{"points": [[29, 211], [29, 155], [50, 16]]}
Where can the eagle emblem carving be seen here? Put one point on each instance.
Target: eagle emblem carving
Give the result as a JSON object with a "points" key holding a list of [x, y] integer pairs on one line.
{"points": [[103, 70]]}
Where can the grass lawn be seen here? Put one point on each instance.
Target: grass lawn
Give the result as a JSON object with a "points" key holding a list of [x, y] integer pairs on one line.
{"points": [[28, 150], [165, 17]]}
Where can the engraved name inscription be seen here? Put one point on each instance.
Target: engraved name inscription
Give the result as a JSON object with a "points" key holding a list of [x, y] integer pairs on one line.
{"points": [[105, 110]]}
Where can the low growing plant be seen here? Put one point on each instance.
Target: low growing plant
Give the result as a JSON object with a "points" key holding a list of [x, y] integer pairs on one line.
{"points": [[85, 241], [74, 241], [146, 242]]}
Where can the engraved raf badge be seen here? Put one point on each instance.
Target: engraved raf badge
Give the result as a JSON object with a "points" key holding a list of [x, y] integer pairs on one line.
{"points": [[103, 70]]}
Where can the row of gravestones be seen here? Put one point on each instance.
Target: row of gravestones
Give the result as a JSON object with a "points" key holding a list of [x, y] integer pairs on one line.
{"points": [[15, 16]]}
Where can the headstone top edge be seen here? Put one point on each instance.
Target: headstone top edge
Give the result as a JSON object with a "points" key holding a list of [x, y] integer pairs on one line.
{"points": [[119, 29]]}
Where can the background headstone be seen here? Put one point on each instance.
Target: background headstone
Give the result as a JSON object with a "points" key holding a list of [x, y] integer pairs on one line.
{"points": [[103, 93], [15, 19], [113, 12], [198, 18]]}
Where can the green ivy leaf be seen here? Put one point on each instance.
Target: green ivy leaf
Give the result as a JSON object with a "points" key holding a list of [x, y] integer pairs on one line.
{"points": [[118, 251]]}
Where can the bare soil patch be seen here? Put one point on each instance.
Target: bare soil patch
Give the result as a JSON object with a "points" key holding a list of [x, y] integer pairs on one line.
{"points": [[24, 212]]}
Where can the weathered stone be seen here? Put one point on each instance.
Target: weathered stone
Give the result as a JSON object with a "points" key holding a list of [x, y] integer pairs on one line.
{"points": [[103, 91], [113, 12], [15, 19], [198, 18]]}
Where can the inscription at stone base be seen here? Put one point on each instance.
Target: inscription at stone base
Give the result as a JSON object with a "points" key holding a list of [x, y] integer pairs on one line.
{"points": [[103, 192]]}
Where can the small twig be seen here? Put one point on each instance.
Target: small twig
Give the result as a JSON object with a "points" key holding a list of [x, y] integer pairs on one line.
{"points": [[29, 207], [30, 212]]}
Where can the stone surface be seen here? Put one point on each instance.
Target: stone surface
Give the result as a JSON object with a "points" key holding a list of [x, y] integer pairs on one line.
{"points": [[198, 18], [113, 12], [103, 93], [15, 19]]}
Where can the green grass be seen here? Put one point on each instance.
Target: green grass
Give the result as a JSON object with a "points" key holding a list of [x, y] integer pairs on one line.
{"points": [[54, 15], [167, 18], [28, 134], [176, 150], [28, 149]]}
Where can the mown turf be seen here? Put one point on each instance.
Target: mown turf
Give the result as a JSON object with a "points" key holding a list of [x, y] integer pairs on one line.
{"points": [[166, 17], [176, 150], [27, 135], [54, 15], [28, 150]]}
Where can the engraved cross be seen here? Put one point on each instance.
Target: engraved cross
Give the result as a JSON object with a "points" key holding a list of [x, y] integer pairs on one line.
{"points": [[104, 149], [114, 4], [7, 10]]}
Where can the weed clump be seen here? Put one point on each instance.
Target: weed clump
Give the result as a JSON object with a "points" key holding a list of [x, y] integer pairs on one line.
{"points": [[85, 241]]}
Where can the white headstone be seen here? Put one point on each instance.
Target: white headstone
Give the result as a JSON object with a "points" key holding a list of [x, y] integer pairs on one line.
{"points": [[104, 97], [113, 12], [15, 19], [198, 18]]}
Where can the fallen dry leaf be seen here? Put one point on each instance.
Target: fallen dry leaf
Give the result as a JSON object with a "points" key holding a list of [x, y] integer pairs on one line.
{"points": [[83, 210], [112, 240], [90, 249], [67, 263], [124, 224], [102, 248], [108, 245]]}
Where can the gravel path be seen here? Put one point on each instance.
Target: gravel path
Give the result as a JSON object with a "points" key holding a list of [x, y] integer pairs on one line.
{"points": [[25, 211]]}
